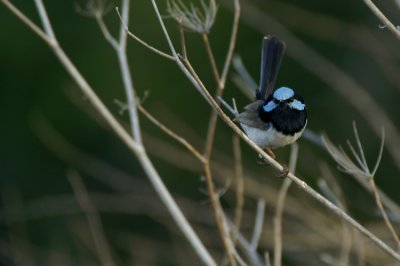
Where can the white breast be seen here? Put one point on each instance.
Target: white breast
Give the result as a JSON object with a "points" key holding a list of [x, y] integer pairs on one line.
{"points": [[270, 138]]}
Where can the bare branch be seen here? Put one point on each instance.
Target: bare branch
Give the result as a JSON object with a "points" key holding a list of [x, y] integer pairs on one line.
{"points": [[250, 253], [204, 92], [393, 29], [239, 181], [280, 204], [232, 43], [172, 134], [258, 225], [360, 149], [145, 44], [27, 21], [45, 20], [134, 145], [383, 212], [93, 219], [378, 160]]}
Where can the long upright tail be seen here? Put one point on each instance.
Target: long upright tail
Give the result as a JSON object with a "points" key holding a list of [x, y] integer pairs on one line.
{"points": [[271, 57]]}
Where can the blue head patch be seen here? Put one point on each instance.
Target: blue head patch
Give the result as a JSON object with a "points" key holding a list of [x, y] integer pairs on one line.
{"points": [[296, 104], [283, 93], [269, 106]]}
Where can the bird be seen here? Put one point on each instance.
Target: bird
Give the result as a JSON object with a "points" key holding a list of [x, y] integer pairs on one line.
{"points": [[277, 117]]}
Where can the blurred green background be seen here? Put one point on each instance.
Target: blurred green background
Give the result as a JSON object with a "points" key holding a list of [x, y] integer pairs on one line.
{"points": [[36, 93]]}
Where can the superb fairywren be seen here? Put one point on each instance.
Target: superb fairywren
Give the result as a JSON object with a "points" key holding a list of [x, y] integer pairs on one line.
{"points": [[276, 118]]}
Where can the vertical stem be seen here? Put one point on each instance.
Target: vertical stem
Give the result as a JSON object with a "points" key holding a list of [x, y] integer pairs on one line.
{"points": [[280, 205], [173, 208], [212, 124], [45, 20], [126, 75], [93, 219], [239, 182], [383, 212], [220, 79], [211, 58], [218, 213], [301, 184]]}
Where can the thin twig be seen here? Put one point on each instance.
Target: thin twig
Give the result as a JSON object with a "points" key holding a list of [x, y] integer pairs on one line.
{"points": [[348, 166], [218, 214], [383, 18], [39, 32], [303, 185], [383, 212], [250, 253], [360, 149], [182, 38], [45, 20], [106, 32], [244, 74], [337, 197], [294, 151], [126, 75], [172, 134], [145, 44], [232, 42], [211, 58], [239, 181], [359, 175], [329, 73], [378, 160], [136, 148], [93, 219], [193, 75], [258, 225], [216, 207], [220, 80]]}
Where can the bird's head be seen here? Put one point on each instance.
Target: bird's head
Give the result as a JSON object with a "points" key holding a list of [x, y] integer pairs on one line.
{"points": [[284, 97]]}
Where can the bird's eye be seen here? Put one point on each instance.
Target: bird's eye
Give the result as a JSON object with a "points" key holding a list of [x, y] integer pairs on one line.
{"points": [[276, 101]]}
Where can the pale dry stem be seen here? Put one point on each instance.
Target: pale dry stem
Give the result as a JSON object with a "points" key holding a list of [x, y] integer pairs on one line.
{"points": [[216, 207], [362, 170], [383, 213], [220, 79], [378, 13], [204, 92], [172, 134], [239, 181], [139, 40], [93, 219], [280, 206], [329, 73], [135, 145]]}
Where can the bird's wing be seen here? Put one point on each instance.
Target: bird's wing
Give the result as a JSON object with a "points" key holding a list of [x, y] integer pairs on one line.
{"points": [[250, 116]]}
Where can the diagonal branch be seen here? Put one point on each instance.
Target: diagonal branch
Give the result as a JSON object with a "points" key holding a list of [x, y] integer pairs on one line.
{"points": [[303, 185], [136, 147], [26, 21], [383, 18]]}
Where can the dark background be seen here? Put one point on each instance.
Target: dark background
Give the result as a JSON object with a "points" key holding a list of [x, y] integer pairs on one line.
{"points": [[35, 89]]}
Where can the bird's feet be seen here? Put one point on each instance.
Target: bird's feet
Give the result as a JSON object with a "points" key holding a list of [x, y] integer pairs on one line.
{"points": [[263, 160], [284, 172], [270, 153]]}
